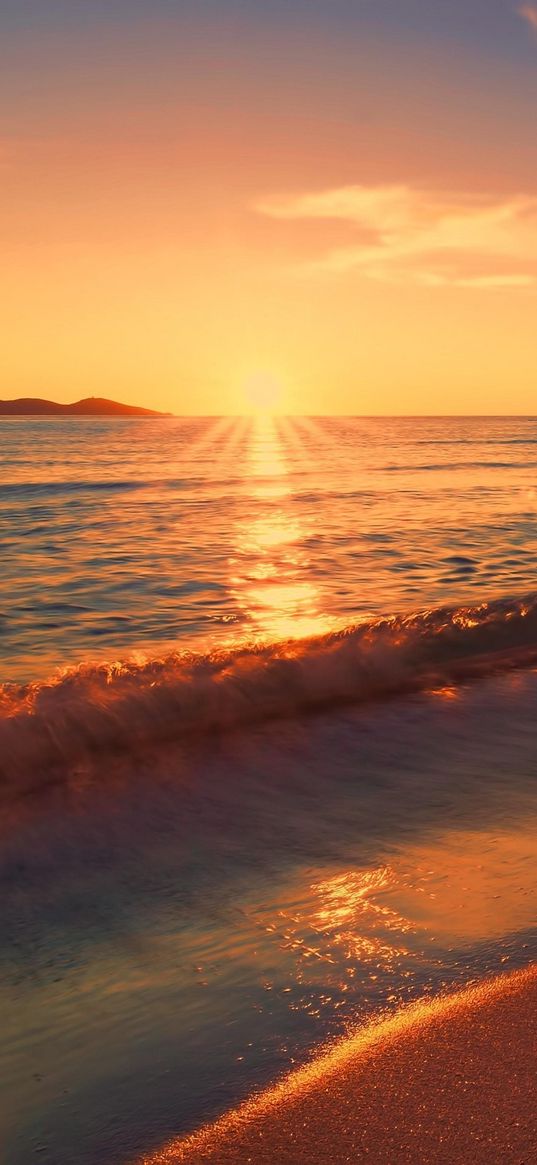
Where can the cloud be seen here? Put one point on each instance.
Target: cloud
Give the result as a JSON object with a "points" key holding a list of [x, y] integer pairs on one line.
{"points": [[431, 238], [528, 12]]}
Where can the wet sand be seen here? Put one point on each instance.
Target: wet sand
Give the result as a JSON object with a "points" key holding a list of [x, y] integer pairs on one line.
{"points": [[448, 1082]]}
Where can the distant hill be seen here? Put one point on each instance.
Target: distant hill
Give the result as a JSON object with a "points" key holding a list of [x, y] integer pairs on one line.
{"points": [[91, 406]]}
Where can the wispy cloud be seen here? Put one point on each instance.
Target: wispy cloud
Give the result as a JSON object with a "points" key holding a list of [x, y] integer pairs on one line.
{"points": [[431, 238], [528, 12]]}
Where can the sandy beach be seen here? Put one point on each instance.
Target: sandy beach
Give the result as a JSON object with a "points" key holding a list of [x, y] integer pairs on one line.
{"points": [[446, 1082], [268, 586]]}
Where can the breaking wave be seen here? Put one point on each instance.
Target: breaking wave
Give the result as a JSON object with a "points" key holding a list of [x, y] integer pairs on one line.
{"points": [[48, 728]]}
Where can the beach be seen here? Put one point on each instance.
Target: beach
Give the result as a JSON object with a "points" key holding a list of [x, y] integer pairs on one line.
{"points": [[268, 583], [267, 775], [451, 1082]]}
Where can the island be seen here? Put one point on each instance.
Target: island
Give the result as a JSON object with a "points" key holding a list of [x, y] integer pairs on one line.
{"points": [[90, 406]]}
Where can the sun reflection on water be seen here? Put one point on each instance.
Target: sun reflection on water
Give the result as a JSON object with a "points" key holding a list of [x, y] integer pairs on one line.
{"points": [[347, 939], [270, 572], [348, 908]]}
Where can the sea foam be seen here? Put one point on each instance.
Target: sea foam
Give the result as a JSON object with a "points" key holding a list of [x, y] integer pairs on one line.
{"points": [[49, 727]]}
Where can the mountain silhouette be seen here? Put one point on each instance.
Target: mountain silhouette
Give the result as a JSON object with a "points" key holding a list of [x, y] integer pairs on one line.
{"points": [[90, 406]]}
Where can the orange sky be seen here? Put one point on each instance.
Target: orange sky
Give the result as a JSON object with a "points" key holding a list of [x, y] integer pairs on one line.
{"points": [[339, 198]]}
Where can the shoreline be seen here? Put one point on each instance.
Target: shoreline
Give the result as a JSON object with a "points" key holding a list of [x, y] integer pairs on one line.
{"points": [[443, 1082]]}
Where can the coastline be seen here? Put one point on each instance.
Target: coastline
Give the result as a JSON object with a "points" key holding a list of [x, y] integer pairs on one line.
{"points": [[447, 1081]]}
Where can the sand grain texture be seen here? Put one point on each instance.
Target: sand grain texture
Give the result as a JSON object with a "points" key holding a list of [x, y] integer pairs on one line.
{"points": [[446, 1083]]}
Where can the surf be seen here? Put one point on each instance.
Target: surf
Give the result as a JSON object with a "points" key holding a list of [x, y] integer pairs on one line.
{"points": [[49, 727]]}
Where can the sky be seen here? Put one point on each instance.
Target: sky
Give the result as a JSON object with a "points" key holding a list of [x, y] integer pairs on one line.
{"points": [[313, 206]]}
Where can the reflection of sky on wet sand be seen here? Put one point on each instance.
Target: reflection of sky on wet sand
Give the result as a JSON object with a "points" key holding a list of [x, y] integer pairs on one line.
{"points": [[341, 934], [471, 885], [286, 885], [270, 572], [260, 981]]}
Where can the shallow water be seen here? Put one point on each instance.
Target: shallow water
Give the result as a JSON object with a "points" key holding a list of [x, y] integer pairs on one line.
{"points": [[212, 863], [179, 935]]}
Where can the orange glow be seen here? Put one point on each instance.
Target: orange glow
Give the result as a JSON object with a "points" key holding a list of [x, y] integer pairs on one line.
{"points": [[268, 572], [205, 252], [448, 692], [395, 923], [320, 1072], [346, 902], [470, 885], [263, 394]]}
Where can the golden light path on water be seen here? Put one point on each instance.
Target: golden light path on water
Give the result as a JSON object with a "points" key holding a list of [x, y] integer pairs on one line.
{"points": [[270, 575]]}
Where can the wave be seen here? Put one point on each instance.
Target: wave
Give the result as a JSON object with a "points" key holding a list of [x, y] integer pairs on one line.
{"points": [[22, 490], [25, 489], [49, 728], [450, 466]]}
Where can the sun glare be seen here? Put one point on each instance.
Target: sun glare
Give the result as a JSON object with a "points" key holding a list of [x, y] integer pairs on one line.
{"points": [[262, 393]]}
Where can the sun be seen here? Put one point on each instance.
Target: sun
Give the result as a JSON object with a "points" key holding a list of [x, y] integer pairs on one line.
{"points": [[262, 392]]}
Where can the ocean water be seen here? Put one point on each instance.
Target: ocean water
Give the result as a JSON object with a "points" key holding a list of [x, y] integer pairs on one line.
{"points": [[268, 759], [121, 535]]}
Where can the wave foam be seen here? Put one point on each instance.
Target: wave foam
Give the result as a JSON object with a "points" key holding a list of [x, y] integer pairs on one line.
{"points": [[49, 728]]}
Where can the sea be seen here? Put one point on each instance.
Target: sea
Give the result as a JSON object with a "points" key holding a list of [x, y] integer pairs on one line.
{"points": [[268, 752]]}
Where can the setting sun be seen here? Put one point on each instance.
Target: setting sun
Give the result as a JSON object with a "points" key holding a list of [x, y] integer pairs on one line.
{"points": [[268, 490], [262, 393]]}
